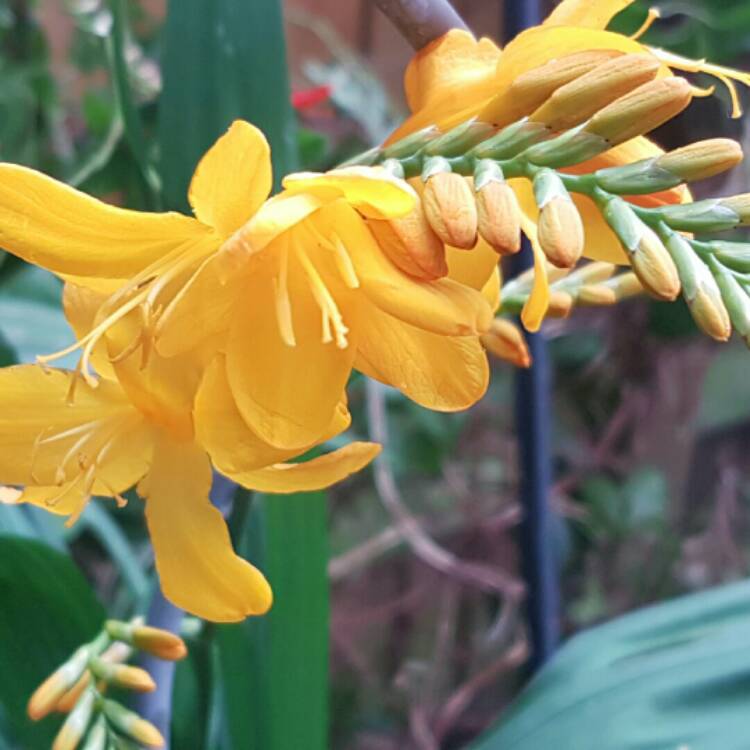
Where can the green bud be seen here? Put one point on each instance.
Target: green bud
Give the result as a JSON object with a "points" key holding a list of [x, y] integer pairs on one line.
{"points": [[365, 159], [97, 738], [511, 140], [736, 255], [409, 145], [75, 725], [640, 178], [394, 167], [735, 298], [572, 147], [548, 185], [131, 724], [712, 215], [461, 138]]}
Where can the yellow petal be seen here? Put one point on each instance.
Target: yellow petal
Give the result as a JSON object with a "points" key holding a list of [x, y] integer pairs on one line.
{"points": [[315, 474], [200, 309], [233, 178], [54, 226], [450, 76], [535, 47], [234, 448], [492, 290], [371, 190], [473, 268], [197, 566], [536, 305], [445, 373], [275, 216], [592, 14], [441, 306], [286, 394], [33, 406]]}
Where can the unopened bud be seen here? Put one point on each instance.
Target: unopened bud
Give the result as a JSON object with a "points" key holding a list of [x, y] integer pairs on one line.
{"points": [[740, 204], [642, 110], [122, 675], [451, 210], [560, 304], [736, 255], [158, 642], [68, 701], [572, 147], [648, 257], [97, 737], [46, 696], [736, 300], [560, 228], [460, 139], [132, 725], [511, 140], [699, 288], [506, 341], [75, 725], [498, 215], [596, 295], [701, 160], [532, 88], [593, 273], [583, 97], [626, 285], [711, 215], [410, 244]]}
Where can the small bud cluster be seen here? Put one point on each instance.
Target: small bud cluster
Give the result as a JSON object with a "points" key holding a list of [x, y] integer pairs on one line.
{"points": [[78, 686]]}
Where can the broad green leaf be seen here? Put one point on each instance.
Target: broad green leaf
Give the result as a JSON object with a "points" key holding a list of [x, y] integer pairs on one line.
{"points": [[275, 667], [222, 60], [676, 675], [48, 610]]}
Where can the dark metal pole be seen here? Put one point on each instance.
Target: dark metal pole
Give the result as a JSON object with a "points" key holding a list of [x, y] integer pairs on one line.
{"points": [[533, 424], [421, 21]]}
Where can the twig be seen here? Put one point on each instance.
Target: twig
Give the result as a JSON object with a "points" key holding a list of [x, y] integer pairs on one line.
{"points": [[421, 544], [421, 21]]}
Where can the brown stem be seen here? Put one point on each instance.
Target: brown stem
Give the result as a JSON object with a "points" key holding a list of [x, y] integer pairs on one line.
{"points": [[421, 21]]}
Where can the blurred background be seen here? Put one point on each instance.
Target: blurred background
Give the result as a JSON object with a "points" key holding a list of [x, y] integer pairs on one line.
{"points": [[651, 420]]}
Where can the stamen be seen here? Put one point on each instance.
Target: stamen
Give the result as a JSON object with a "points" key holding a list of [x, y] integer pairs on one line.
{"points": [[340, 255], [728, 76], [282, 300], [654, 14], [331, 313]]}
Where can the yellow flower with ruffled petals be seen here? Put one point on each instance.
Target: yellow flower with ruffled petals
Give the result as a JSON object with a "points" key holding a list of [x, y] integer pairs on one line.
{"points": [[62, 453], [293, 290]]}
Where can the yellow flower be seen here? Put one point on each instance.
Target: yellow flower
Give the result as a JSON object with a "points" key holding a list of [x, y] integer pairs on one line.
{"points": [[62, 453], [456, 78], [294, 290]]}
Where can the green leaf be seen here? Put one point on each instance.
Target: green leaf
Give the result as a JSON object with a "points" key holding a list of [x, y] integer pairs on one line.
{"points": [[222, 60], [676, 675], [275, 668], [48, 610]]}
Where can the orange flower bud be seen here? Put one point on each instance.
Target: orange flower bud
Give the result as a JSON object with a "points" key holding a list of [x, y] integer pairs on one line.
{"points": [[596, 295], [122, 675], [75, 725], [583, 97], [642, 110], [561, 232], [560, 304], [451, 210], [159, 642], [506, 341], [710, 312], [411, 244], [654, 267], [46, 696], [132, 725], [701, 160], [499, 217], [68, 701]]}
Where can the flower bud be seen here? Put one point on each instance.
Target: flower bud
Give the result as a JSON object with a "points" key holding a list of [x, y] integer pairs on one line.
{"points": [[736, 255], [736, 300], [626, 285], [593, 273], [451, 210], [498, 215], [560, 304], [410, 144], [506, 341], [740, 204], [459, 139], [701, 160], [532, 88], [573, 147], [122, 675], [649, 258], [158, 642], [410, 244], [68, 701], [711, 215], [700, 289], [560, 228], [97, 737], [75, 725], [642, 110], [596, 295], [511, 140], [132, 725], [46, 696], [584, 96]]}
